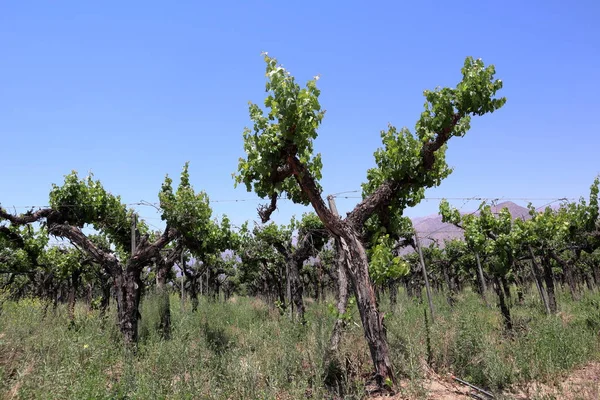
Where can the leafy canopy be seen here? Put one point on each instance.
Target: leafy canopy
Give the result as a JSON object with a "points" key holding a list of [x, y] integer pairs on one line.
{"points": [[492, 234], [447, 113], [383, 264], [290, 121], [21, 247], [85, 201], [571, 225], [186, 211]]}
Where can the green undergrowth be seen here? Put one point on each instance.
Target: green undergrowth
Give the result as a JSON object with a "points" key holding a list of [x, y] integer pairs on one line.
{"points": [[243, 349], [468, 341]]}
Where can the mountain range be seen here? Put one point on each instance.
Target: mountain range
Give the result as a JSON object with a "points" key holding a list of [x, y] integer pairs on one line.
{"points": [[431, 228]]}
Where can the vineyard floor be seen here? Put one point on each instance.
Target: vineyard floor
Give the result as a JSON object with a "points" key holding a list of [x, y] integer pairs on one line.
{"points": [[241, 348]]}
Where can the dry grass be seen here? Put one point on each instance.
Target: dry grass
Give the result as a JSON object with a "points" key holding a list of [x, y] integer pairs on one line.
{"points": [[14, 390], [243, 348]]}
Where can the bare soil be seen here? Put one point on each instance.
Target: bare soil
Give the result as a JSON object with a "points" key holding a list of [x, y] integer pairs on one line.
{"points": [[580, 384]]}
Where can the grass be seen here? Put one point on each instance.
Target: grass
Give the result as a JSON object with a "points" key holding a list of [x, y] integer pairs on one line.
{"points": [[242, 349]]}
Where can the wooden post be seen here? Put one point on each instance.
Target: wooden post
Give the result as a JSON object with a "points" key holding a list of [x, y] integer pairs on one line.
{"points": [[133, 232], [481, 278], [181, 265], [538, 281], [331, 363], [427, 288], [288, 290]]}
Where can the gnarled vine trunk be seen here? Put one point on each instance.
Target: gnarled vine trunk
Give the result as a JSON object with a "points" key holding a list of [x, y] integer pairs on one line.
{"points": [[535, 267], [105, 297], [393, 286], [502, 304], [194, 293], [549, 280], [372, 319], [128, 290], [332, 364], [568, 273], [450, 284], [164, 306], [73, 294], [296, 288]]}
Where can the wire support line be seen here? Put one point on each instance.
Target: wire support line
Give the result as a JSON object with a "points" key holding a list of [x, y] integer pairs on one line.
{"points": [[337, 195]]}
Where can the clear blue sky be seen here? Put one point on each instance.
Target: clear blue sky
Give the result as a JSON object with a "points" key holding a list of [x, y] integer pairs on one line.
{"points": [[132, 90]]}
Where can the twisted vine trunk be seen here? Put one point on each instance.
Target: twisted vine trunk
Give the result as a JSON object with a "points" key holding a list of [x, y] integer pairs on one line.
{"points": [[568, 273], [193, 278], [332, 365], [451, 287], [164, 307], [502, 304], [89, 296], [393, 286], [538, 282], [549, 280], [506, 289], [128, 287], [127, 283], [105, 299], [194, 292], [596, 274], [316, 281], [372, 319], [73, 294], [296, 289]]}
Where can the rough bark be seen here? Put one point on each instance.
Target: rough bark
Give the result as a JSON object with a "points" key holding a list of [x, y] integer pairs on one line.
{"points": [[568, 273], [194, 295], [105, 299], [549, 280], [73, 294], [89, 296], [128, 287], [288, 289], [596, 274], [535, 267], [164, 307], [193, 277], [589, 281], [317, 281], [409, 288], [502, 304], [520, 293], [342, 303], [450, 284], [393, 286], [372, 319], [334, 376], [506, 289], [296, 289], [164, 264], [294, 260]]}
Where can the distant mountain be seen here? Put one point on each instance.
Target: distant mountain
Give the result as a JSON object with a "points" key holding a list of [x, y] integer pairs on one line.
{"points": [[431, 228]]}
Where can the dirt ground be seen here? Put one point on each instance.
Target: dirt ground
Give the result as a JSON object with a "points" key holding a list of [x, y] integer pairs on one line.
{"points": [[581, 384]]}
